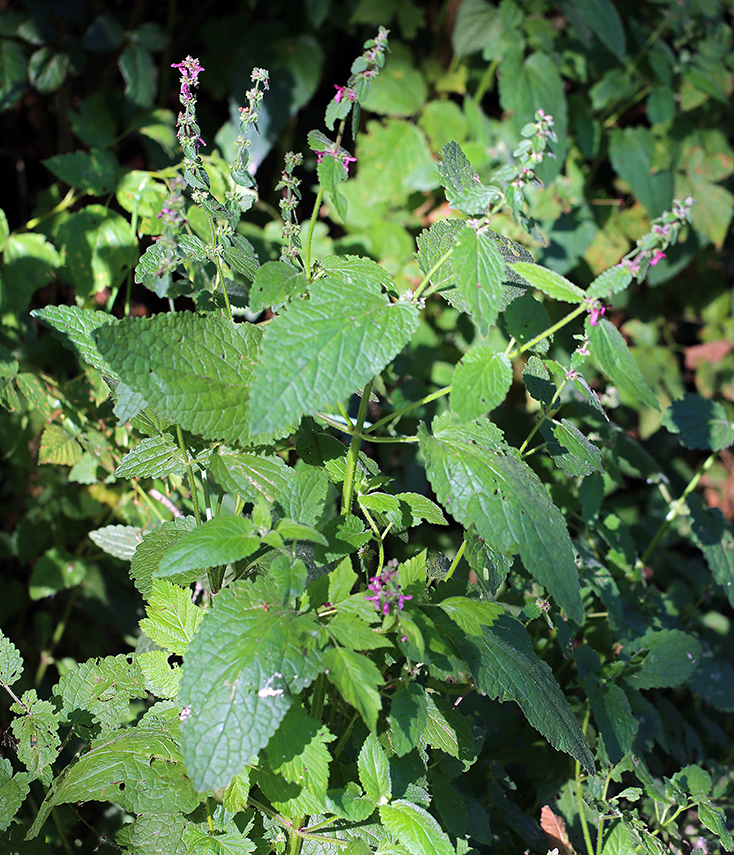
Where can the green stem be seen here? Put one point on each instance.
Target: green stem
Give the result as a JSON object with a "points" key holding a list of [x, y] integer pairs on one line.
{"points": [[65, 203], [353, 453], [579, 310], [403, 410], [486, 82], [339, 747], [549, 411], [189, 475], [218, 263], [332, 422], [455, 562], [427, 278], [677, 507], [579, 800], [381, 548], [311, 226], [318, 697], [600, 834], [294, 838]]}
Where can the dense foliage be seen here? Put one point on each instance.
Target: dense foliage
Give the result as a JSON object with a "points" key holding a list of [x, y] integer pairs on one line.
{"points": [[327, 437]]}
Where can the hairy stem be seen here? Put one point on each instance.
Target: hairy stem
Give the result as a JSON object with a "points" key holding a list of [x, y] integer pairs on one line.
{"points": [[353, 454]]}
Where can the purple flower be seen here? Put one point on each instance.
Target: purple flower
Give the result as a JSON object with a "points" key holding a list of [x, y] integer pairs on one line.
{"points": [[386, 591], [341, 91], [657, 256], [596, 313]]}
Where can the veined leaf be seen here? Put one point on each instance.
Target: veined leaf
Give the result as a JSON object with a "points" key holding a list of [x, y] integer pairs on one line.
{"points": [[374, 771], [320, 350], [251, 474], [172, 618], [155, 457], [408, 717], [11, 662], [13, 790], [671, 656], [74, 327], [415, 828], [304, 497], [215, 542], [274, 284], [570, 449], [552, 284], [610, 351], [479, 269], [471, 615], [480, 383], [482, 481], [505, 666], [357, 678], [155, 544], [36, 730], [701, 423], [193, 370]]}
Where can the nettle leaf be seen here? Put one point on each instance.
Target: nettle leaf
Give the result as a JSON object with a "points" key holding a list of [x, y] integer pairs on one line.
{"points": [[155, 457], [11, 662], [538, 381], [161, 678], [422, 508], [345, 534], [94, 172], [481, 481], [571, 451], [140, 769], [351, 631], [118, 540], [203, 842], [701, 423], [320, 350], [172, 617], [525, 319], [471, 615], [479, 277], [448, 731], [714, 536], [242, 668], [155, 544], [214, 543], [480, 383], [251, 474], [671, 656], [415, 828], [58, 446], [714, 818], [464, 189], [241, 257], [374, 771], [36, 731], [505, 667], [357, 678], [408, 717], [104, 687], [551, 284], [13, 791], [611, 353], [304, 497], [433, 244], [611, 281], [73, 327], [274, 284], [159, 833], [193, 370]]}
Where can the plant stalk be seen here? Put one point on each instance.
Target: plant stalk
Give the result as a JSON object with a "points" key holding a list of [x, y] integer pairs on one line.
{"points": [[353, 454]]}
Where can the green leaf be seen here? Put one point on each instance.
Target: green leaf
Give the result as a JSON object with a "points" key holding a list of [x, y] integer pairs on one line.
{"points": [[671, 656], [13, 790], [47, 69], [479, 270], [95, 172], [400, 89], [525, 319], [155, 457], [421, 508], [304, 497], [350, 631], [12, 73], [610, 351], [193, 370], [433, 244], [55, 571], [602, 18], [118, 540], [613, 715], [319, 351], [139, 72], [140, 769], [57, 446], [631, 152], [471, 615], [714, 818], [240, 257], [100, 249], [551, 284], [161, 678], [483, 482], [172, 617], [250, 474], [345, 534], [374, 771], [349, 803], [29, 264], [36, 731], [73, 327], [702, 423], [357, 678], [274, 284], [11, 662], [214, 543], [415, 828], [611, 281], [505, 667], [331, 173], [571, 451], [480, 383], [242, 668], [104, 687], [447, 730], [408, 717], [155, 544], [714, 536], [164, 832]]}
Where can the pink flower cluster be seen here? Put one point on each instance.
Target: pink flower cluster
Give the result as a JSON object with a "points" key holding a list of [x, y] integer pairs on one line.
{"points": [[343, 158], [386, 591]]}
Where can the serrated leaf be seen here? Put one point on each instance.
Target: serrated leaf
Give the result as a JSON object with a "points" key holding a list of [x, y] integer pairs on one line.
{"points": [[139, 769], [55, 571], [602, 17], [471, 615], [74, 327], [455, 171], [241, 258], [374, 771], [505, 667], [415, 828], [448, 730], [172, 618], [480, 382], [611, 281], [242, 668], [479, 277], [251, 474], [701, 423], [617, 726], [104, 687], [155, 543], [525, 319], [193, 370], [483, 482], [433, 244], [350, 631], [408, 717], [161, 678], [155, 457], [345, 534], [203, 842], [671, 656], [422, 508], [349, 803], [714, 536], [274, 284], [118, 540], [714, 818], [304, 496], [214, 543], [611, 353], [139, 73], [94, 172], [357, 678], [13, 790], [58, 446], [36, 731], [571, 451], [551, 284], [11, 662], [320, 350], [160, 832]]}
